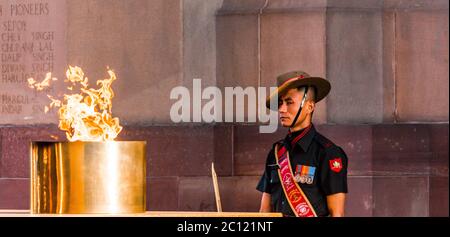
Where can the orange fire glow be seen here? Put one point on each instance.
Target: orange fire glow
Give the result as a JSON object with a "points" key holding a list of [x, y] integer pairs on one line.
{"points": [[85, 116]]}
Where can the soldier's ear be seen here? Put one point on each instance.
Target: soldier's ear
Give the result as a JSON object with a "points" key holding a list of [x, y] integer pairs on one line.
{"points": [[311, 106]]}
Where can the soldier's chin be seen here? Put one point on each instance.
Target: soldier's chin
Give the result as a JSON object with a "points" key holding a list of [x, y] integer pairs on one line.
{"points": [[285, 123]]}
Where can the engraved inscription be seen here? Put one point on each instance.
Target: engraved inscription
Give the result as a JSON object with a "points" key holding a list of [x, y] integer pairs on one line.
{"points": [[32, 43]]}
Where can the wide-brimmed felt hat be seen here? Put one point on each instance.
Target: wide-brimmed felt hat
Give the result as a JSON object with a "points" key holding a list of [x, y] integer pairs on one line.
{"points": [[297, 79]]}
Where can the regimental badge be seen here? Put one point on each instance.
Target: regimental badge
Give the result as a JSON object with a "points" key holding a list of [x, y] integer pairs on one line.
{"points": [[304, 174], [336, 164]]}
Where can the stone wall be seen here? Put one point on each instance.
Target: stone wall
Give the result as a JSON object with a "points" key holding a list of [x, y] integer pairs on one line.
{"points": [[394, 170], [387, 62]]}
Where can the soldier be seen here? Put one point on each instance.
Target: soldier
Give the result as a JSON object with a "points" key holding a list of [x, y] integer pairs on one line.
{"points": [[305, 173]]}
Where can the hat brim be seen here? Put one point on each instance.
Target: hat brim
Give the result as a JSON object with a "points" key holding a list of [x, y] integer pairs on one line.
{"points": [[322, 88]]}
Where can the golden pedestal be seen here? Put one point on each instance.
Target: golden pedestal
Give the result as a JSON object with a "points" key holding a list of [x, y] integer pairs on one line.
{"points": [[88, 177]]}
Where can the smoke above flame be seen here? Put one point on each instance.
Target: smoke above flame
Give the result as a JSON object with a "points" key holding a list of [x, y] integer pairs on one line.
{"points": [[85, 116]]}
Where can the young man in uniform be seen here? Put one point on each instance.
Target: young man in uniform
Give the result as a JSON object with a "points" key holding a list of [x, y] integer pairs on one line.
{"points": [[305, 173]]}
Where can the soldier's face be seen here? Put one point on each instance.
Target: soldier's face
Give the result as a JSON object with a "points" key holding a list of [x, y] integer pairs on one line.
{"points": [[288, 106]]}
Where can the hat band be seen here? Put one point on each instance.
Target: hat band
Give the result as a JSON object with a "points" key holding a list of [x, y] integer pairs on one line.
{"points": [[291, 79]]}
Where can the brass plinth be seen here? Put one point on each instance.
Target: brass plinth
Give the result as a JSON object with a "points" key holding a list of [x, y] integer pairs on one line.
{"points": [[88, 177]]}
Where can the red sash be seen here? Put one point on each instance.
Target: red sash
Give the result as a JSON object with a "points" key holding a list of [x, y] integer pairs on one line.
{"points": [[296, 198]]}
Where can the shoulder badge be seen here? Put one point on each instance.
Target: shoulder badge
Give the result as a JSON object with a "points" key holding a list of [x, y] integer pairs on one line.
{"points": [[336, 164]]}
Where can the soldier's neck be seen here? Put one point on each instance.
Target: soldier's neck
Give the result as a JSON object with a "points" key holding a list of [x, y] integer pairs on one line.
{"points": [[304, 124]]}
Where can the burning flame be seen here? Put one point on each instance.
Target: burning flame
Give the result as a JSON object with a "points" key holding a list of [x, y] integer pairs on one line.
{"points": [[85, 116], [43, 84]]}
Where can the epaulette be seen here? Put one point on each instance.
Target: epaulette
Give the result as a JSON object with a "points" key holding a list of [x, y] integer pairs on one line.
{"points": [[323, 141]]}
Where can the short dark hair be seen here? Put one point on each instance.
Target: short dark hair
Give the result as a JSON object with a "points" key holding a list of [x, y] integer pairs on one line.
{"points": [[315, 95], [315, 91]]}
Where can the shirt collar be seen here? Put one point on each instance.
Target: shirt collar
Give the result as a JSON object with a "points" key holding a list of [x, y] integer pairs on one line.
{"points": [[306, 139]]}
